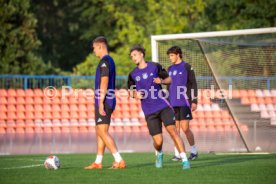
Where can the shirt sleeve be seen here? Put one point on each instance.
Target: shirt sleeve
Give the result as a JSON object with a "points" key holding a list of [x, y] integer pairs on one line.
{"points": [[104, 68], [162, 73], [131, 82], [191, 84]]}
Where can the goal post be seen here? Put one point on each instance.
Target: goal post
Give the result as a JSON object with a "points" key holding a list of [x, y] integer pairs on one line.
{"points": [[240, 62]]}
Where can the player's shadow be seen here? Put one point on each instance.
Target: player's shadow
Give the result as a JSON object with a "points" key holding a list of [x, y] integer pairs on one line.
{"points": [[225, 160]]}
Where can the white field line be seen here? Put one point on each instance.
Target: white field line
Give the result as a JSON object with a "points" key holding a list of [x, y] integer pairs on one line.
{"points": [[245, 153], [23, 167]]}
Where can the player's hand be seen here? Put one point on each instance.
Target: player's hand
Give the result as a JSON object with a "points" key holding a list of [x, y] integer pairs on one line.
{"points": [[157, 80], [101, 110], [194, 106], [139, 95]]}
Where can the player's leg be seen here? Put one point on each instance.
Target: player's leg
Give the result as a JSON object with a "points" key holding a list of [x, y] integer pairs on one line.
{"points": [[186, 116], [155, 129], [185, 125], [167, 116], [176, 156], [105, 139]]}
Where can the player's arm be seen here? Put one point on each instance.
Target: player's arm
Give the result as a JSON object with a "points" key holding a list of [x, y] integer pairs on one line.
{"points": [[192, 92], [163, 76], [104, 73], [132, 88]]}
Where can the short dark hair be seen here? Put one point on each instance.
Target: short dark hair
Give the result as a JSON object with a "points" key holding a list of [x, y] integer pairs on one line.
{"points": [[138, 48], [100, 39], [175, 50]]}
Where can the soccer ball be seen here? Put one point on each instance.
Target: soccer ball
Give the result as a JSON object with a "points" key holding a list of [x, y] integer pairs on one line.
{"points": [[52, 163]]}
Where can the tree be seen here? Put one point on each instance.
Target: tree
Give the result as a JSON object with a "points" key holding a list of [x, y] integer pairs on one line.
{"points": [[126, 23], [18, 40]]}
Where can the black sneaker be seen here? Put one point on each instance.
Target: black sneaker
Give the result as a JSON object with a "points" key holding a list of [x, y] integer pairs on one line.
{"points": [[175, 158], [193, 156]]}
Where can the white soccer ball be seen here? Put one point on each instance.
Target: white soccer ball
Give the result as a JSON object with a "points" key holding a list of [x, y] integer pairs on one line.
{"points": [[52, 163]]}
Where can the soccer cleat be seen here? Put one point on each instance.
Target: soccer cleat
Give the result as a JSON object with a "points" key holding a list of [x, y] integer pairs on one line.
{"points": [[94, 166], [186, 165], [175, 158], [159, 161], [193, 156], [118, 165]]}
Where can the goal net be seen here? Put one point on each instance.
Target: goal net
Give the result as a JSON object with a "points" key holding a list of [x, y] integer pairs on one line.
{"points": [[236, 76]]}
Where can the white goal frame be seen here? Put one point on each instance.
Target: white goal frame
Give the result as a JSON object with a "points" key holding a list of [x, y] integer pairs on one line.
{"points": [[155, 38], [155, 56]]}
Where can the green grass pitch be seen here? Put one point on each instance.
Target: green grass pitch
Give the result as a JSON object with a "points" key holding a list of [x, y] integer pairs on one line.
{"points": [[208, 168]]}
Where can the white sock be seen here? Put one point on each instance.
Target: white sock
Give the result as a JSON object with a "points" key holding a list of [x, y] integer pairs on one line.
{"points": [[99, 159], [158, 152], [117, 157], [183, 156], [194, 151], [176, 153]]}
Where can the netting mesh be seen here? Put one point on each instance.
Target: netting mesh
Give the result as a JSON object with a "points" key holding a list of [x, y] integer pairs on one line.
{"points": [[236, 80]]}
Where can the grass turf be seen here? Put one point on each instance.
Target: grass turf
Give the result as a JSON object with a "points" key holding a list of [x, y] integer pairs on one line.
{"points": [[208, 168]]}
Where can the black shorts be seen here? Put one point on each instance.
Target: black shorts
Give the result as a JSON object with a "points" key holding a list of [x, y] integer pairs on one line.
{"points": [[183, 113], [154, 120], [99, 119]]}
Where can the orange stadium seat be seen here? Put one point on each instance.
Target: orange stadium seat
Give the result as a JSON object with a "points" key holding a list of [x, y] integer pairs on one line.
{"points": [[65, 107], [56, 115], [243, 93], [260, 100], [29, 115], [38, 107], [38, 115], [11, 116], [56, 107], [73, 107], [82, 115], [3, 93], [11, 92], [11, 108], [3, 100], [3, 108], [252, 100], [29, 93], [245, 101], [82, 107], [91, 114], [251, 93], [20, 93], [73, 100], [20, 115], [20, 100], [236, 93], [3, 115], [29, 107], [46, 108], [47, 115], [11, 100], [29, 100], [268, 100], [65, 115], [47, 100], [38, 100], [38, 93], [74, 115], [63, 100], [20, 107], [82, 100], [58, 100]]}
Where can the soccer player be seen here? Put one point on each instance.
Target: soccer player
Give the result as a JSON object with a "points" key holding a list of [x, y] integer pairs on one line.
{"points": [[143, 84], [105, 103], [183, 80]]}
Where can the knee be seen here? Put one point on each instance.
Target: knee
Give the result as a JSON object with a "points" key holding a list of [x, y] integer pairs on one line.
{"points": [[186, 130], [173, 132]]}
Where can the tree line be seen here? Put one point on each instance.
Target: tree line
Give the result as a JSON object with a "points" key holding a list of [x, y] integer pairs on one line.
{"points": [[54, 37]]}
